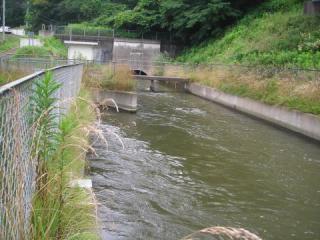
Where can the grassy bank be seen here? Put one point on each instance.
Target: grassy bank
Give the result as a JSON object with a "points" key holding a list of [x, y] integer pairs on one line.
{"points": [[11, 42], [52, 47], [271, 39], [276, 33], [109, 77], [60, 210], [299, 90], [11, 74]]}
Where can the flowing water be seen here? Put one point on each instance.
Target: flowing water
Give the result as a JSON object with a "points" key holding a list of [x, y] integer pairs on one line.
{"points": [[188, 164]]}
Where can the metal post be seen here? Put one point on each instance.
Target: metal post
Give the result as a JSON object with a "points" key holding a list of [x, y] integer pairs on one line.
{"points": [[27, 14], [152, 86], [114, 67], [3, 19], [70, 34]]}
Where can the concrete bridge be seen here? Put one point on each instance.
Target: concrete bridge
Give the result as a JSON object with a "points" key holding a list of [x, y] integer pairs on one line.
{"points": [[169, 80]]}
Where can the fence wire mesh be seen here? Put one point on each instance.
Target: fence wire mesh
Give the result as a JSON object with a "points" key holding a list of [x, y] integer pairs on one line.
{"points": [[17, 166]]}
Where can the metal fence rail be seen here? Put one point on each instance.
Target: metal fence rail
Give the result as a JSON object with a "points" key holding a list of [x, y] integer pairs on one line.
{"points": [[17, 167]]}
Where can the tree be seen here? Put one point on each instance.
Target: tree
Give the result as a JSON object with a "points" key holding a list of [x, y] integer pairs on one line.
{"points": [[15, 11]]}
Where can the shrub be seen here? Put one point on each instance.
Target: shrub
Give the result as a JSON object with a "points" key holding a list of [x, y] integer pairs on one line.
{"points": [[110, 77]]}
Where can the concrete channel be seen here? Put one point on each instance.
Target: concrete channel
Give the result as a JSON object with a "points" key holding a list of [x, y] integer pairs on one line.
{"points": [[303, 123]]}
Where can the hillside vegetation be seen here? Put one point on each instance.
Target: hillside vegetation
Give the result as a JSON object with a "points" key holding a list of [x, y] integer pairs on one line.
{"points": [[245, 60], [186, 21], [275, 33]]}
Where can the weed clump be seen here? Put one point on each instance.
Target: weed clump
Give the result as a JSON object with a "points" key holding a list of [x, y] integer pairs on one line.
{"points": [[11, 74], [60, 210], [298, 90], [109, 77]]}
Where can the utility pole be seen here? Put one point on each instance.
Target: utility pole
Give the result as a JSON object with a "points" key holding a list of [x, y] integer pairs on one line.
{"points": [[27, 14], [3, 19]]}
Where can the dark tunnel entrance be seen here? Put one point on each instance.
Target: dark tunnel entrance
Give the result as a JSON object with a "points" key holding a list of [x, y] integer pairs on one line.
{"points": [[139, 72]]}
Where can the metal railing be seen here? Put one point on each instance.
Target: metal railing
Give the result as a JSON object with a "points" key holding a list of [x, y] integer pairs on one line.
{"points": [[17, 166], [72, 32]]}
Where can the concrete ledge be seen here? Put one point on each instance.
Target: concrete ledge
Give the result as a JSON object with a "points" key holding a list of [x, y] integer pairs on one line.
{"points": [[160, 78], [127, 101], [81, 183], [303, 123]]}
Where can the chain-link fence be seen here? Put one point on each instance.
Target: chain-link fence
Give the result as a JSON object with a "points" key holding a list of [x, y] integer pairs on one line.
{"points": [[17, 166]]}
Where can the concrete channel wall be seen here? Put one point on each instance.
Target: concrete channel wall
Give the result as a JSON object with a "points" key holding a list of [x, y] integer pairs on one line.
{"points": [[127, 101], [137, 53], [303, 123]]}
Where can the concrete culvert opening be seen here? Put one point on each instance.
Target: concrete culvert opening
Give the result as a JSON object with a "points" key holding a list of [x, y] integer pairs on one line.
{"points": [[139, 72]]}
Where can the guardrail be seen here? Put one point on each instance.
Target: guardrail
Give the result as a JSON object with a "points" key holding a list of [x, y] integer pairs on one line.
{"points": [[17, 166]]}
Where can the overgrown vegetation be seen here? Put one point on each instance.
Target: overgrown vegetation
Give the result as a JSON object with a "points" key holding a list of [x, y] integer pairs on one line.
{"points": [[110, 77], [61, 210], [11, 42], [11, 74], [276, 33], [186, 20], [52, 47], [298, 90]]}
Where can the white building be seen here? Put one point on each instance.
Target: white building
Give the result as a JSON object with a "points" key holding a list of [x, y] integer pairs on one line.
{"points": [[82, 50]]}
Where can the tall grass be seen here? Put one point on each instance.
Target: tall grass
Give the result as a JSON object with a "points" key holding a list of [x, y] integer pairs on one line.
{"points": [[52, 47], [293, 89], [10, 43], [11, 74], [60, 210], [109, 77]]}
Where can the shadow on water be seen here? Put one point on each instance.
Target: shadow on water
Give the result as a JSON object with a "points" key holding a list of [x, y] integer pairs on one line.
{"points": [[190, 164]]}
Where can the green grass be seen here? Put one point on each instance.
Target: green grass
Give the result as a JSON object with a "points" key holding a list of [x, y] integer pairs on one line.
{"points": [[55, 47], [276, 33], [294, 90], [9, 75], [52, 47], [109, 77], [32, 51], [272, 96], [67, 212], [10, 43]]}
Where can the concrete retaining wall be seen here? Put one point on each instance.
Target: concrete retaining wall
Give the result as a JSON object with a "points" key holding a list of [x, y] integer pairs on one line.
{"points": [[312, 7], [25, 42], [139, 53], [127, 101], [303, 123]]}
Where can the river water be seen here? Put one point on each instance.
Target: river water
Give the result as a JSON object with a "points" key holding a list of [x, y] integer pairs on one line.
{"points": [[187, 164]]}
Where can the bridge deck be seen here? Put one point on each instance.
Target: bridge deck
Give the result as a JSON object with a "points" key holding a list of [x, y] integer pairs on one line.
{"points": [[160, 78]]}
